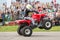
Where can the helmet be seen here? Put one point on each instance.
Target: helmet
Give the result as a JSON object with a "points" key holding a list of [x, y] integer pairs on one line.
{"points": [[28, 6]]}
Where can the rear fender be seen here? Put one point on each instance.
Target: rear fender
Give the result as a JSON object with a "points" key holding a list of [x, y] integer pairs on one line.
{"points": [[23, 22]]}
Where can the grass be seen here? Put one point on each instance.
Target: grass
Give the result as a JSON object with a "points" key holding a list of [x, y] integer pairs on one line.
{"points": [[14, 29], [54, 29], [8, 28]]}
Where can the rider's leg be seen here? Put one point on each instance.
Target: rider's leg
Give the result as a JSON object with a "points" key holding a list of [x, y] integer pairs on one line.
{"points": [[33, 22]]}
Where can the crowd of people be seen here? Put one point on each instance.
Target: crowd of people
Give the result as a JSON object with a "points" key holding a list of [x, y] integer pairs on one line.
{"points": [[18, 9]]}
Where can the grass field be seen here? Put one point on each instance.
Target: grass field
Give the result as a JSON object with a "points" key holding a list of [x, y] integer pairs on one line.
{"points": [[14, 29]]}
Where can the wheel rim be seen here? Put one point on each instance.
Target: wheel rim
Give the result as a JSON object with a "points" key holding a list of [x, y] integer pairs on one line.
{"points": [[48, 24], [27, 31]]}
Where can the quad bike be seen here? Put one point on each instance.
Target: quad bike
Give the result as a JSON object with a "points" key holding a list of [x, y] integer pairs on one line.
{"points": [[25, 26]]}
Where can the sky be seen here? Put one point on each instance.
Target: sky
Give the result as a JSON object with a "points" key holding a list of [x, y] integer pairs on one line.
{"points": [[8, 2]]}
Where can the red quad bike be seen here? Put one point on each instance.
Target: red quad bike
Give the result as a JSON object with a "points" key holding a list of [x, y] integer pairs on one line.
{"points": [[26, 26]]}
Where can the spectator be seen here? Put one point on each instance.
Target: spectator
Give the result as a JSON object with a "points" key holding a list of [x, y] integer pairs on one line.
{"points": [[17, 9], [3, 17], [23, 10]]}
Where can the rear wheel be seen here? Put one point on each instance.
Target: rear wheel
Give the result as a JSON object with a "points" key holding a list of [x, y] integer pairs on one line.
{"points": [[20, 29], [27, 31]]}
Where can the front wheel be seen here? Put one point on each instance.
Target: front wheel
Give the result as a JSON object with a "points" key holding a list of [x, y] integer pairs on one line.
{"points": [[47, 24], [27, 31]]}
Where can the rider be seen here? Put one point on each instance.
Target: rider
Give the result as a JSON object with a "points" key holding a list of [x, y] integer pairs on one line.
{"points": [[29, 9]]}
